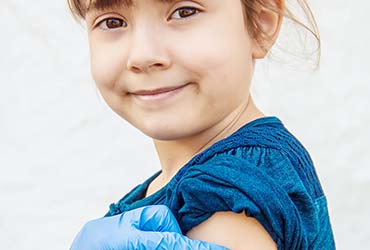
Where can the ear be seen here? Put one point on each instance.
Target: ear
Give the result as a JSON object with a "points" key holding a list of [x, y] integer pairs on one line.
{"points": [[269, 22]]}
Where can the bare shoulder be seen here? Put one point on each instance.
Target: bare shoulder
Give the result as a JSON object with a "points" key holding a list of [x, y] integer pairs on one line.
{"points": [[235, 231]]}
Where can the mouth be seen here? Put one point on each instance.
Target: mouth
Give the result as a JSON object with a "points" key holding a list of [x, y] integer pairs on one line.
{"points": [[157, 91], [158, 95]]}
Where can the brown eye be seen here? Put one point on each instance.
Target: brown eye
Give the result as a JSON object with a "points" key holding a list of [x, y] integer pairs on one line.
{"points": [[186, 12], [111, 23]]}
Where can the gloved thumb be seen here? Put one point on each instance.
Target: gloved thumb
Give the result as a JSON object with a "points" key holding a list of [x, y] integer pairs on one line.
{"points": [[170, 240], [157, 218]]}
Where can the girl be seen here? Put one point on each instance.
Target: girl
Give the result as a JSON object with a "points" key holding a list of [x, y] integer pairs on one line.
{"points": [[180, 72]]}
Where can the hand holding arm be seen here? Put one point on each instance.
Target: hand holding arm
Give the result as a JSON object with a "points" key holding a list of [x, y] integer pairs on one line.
{"points": [[151, 227]]}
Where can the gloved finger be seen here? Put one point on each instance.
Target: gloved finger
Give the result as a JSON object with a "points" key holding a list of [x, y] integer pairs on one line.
{"points": [[170, 240], [158, 218], [87, 238]]}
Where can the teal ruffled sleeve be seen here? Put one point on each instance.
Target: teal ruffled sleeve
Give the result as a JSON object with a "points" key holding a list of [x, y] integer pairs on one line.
{"points": [[228, 183]]}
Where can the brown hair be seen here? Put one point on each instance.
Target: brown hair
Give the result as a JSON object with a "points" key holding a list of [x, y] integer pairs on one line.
{"points": [[250, 10]]}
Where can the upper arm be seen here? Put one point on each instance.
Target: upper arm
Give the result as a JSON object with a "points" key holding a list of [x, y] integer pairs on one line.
{"points": [[235, 231]]}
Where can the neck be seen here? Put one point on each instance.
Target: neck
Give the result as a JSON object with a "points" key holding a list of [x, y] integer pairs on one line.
{"points": [[176, 153]]}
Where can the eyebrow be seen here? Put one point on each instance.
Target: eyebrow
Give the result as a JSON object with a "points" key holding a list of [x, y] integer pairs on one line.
{"points": [[100, 5]]}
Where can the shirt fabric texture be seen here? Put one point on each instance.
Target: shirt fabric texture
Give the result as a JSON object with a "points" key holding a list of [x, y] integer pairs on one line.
{"points": [[261, 169]]}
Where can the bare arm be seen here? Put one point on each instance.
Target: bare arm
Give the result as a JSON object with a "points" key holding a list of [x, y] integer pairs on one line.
{"points": [[235, 231]]}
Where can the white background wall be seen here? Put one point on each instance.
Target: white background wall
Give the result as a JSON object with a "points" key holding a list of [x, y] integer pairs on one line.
{"points": [[65, 156]]}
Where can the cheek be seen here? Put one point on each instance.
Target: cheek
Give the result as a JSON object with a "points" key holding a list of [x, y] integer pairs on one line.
{"points": [[105, 65], [221, 62], [216, 48], [200, 55]]}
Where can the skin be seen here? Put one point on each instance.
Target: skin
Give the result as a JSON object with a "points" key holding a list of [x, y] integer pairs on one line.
{"points": [[212, 50]]}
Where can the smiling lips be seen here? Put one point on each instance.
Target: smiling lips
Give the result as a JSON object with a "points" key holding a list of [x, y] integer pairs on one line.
{"points": [[158, 95], [157, 91]]}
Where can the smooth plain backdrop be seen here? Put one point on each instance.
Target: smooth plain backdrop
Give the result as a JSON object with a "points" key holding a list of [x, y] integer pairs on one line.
{"points": [[65, 156]]}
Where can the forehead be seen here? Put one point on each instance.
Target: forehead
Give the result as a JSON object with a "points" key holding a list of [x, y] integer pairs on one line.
{"points": [[96, 5]]}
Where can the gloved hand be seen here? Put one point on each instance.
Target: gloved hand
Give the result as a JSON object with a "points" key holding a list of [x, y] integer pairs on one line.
{"points": [[151, 227]]}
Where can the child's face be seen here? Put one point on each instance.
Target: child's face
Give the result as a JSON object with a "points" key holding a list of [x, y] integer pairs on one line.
{"points": [[153, 46]]}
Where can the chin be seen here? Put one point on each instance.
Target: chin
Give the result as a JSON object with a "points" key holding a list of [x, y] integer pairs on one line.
{"points": [[163, 135], [166, 133]]}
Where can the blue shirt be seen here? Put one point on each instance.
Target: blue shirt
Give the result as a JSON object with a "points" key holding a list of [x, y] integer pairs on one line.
{"points": [[261, 169]]}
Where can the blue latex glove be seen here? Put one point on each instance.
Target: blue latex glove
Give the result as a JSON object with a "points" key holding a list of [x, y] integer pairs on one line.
{"points": [[151, 227]]}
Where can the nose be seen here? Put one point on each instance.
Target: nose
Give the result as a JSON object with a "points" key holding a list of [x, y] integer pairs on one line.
{"points": [[146, 52]]}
